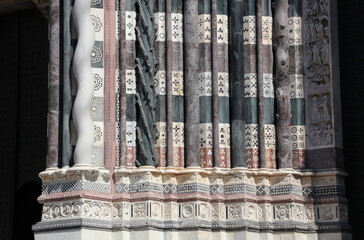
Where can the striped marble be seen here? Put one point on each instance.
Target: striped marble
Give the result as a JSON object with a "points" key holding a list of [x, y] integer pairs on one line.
{"points": [[267, 136], [130, 83], [298, 130], [205, 83]]}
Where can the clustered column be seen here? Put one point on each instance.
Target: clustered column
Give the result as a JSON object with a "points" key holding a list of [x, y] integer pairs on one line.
{"points": [[176, 84]]}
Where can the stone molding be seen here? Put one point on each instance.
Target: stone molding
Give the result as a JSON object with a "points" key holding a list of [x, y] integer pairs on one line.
{"points": [[261, 199]]}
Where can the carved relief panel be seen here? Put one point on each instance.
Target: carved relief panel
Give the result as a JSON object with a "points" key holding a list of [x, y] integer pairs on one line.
{"points": [[318, 74]]}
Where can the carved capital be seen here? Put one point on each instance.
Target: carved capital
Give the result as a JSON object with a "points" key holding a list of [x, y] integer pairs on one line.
{"points": [[43, 7]]}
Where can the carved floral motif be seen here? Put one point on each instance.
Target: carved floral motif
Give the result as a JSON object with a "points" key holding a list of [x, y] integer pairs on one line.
{"points": [[72, 209]]}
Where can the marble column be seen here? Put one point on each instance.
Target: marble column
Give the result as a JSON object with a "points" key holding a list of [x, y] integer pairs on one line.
{"points": [[191, 60], [53, 85], [67, 101], [85, 82]]}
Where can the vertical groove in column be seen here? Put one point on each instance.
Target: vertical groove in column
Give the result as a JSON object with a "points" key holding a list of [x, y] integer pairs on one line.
{"points": [[128, 86], [110, 74], [175, 84], [145, 92], [160, 82], [298, 130], [265, 85], [191, 79], [250, 85], [284, 154], [237, 83], [53, 85], [67, 100], [85, 82], [205, 83], [220, 84]]}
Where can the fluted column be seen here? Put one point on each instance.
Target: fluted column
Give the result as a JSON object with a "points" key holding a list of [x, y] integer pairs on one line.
{"points": [[85, 82]]}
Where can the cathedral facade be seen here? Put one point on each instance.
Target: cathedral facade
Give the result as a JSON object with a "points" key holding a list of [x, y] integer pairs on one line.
{"points": [[194, 119]]}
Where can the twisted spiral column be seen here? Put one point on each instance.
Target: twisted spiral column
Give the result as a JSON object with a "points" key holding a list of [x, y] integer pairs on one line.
{"points": [[85, 82]]}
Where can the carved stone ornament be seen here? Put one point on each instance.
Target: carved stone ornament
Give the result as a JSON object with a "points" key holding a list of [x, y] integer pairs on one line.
{"points": [[75, 174], [318, 73]]}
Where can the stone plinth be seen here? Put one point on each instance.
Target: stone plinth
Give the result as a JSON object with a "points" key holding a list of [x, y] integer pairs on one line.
{"points": [[204, 204]]}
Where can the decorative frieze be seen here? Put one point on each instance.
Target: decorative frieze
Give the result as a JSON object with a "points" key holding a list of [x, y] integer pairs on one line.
{"points": [[186, 199]]}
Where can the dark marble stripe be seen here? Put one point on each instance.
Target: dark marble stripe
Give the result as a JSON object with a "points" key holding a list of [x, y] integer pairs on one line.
{"points": [[178, 108], [206, 109], [251, 107], [295, 8], [222, 7], [159, 5], [204, 7], [160, 112], [131, 110], [297, 111], [224, 110], [129, 5], [177, 6], [266, 6], [268, 111], [249, 7], [237, 83]]}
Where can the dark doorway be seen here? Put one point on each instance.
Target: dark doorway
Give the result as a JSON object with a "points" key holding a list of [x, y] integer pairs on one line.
{"points": [[23, 135], [351, 24]]}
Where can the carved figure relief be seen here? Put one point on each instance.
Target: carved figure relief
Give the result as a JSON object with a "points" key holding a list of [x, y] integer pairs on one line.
{"points": [[317, 73], [321, 122], [317, 42]]}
